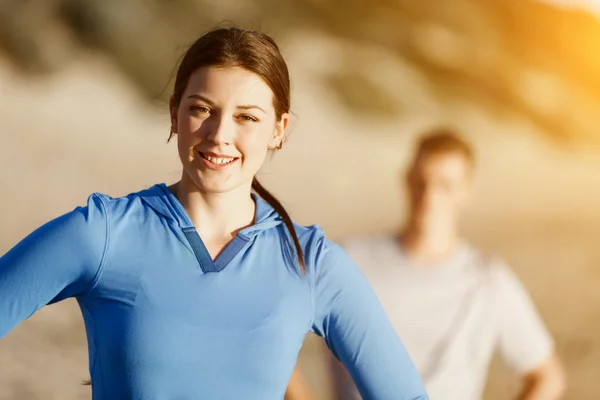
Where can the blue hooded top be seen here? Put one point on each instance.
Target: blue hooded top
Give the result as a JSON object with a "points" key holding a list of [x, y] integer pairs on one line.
{"points": [[164, 321]]}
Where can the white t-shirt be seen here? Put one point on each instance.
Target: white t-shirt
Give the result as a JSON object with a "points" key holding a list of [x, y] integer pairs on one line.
{"points": [[452, 317]]}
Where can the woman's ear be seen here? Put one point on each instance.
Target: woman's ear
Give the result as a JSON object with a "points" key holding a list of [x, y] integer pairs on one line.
{"points": [[279, 133]]}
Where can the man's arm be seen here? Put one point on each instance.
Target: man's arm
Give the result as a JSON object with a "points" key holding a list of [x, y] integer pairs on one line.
{"points": [[524, 341], [298, 387], [546, 382]]}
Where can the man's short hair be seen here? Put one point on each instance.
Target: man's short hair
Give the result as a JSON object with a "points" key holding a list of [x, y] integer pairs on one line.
{"points": [[443, 140]]}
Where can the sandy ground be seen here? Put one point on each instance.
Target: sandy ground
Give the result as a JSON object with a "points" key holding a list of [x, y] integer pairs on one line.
{"points": [[87, 130]]}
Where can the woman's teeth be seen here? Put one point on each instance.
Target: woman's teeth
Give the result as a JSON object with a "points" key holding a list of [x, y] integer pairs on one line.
{"points": [[219, 160]]}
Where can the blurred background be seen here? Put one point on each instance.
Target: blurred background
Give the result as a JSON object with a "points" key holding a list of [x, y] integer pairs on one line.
{"points": [[83, 91]]}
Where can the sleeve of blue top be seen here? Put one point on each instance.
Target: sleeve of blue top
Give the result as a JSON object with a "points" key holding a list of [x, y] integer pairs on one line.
{"points": [[58, 260], [350, 318]]}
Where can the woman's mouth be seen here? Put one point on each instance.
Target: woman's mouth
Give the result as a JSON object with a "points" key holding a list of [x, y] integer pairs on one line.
{"points": [[215, 161]]}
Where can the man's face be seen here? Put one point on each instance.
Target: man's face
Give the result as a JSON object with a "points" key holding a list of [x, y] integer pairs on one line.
{"points": [[439, 186]]}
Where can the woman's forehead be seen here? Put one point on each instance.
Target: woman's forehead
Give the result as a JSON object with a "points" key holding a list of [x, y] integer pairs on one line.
{"points": [[230, 84]]}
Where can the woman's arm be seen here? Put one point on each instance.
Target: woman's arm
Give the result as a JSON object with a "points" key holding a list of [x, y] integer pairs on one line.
{"points": [[350, 318], [298, 387], [58, 260]]}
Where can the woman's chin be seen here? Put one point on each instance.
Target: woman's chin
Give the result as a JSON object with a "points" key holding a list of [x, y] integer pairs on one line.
{"points": [[215, 186]]}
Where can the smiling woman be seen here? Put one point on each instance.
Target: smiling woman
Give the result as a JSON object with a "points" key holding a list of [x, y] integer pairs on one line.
{"points": [[251, 98], [218, 130], [204, 289]]}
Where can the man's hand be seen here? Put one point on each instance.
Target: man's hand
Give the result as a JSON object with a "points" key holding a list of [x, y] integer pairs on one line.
{"points": [[546, 382]]}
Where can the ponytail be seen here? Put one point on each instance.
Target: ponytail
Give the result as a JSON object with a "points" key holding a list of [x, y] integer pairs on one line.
{"points": [[273, 202]]}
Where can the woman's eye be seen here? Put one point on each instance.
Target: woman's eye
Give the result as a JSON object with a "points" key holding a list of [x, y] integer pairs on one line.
{"points": [[200, 109], [248, 118]]}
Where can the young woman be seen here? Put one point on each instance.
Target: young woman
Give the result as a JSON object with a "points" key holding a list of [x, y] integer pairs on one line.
{"points": [[204, 289]]}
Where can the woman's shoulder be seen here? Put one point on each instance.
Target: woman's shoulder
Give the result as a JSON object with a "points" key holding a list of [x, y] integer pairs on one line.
{"points": [[318, 246], [312, 237], [308, 232], [124, 204]]}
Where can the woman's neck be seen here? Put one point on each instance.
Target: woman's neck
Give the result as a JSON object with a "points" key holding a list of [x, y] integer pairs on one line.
{"points": [[216, 215]]}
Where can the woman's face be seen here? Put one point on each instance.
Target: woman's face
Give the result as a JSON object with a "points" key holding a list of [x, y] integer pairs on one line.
{"points": [[225, 125]]}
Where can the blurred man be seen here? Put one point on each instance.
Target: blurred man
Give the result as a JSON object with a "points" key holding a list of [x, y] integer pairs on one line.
{"points": [[451, 305]]}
